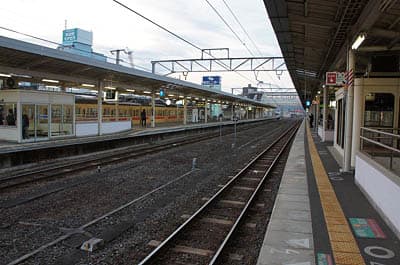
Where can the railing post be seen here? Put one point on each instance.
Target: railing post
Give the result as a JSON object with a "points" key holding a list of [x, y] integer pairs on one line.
{"points": [[361, 139]]}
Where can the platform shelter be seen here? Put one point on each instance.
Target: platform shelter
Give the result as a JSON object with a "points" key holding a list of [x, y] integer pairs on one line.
{"points": [[28, 115]]}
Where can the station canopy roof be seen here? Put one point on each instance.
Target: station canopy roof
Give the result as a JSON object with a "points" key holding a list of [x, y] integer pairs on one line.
{"points": [[315, 35], [32, 63]]}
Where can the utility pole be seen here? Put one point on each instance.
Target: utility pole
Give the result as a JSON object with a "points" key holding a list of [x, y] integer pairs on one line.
{"points": [[117, 59]]}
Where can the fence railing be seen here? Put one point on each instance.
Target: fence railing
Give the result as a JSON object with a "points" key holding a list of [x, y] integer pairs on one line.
{"points": [[380, 142]]}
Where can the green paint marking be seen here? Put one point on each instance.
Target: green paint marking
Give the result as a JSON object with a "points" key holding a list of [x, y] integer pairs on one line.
{"points": [[324, 259], [361, 227]]}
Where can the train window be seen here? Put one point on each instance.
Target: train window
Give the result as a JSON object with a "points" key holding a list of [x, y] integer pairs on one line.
{"points": [[67, 120], [8, 114], [56, 121], [92, 112], [379, 108]]}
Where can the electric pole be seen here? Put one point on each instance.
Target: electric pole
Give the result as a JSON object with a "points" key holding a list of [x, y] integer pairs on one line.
{"points": [[117, 59]]}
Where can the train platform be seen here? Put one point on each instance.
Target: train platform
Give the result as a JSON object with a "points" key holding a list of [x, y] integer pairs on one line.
{"points": [[321, 217], [12, 153], [8, 147]]}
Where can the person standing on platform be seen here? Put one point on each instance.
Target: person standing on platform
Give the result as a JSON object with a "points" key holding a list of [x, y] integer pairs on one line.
{"points": [[330, 122], [10, 118], [311, 120], [25, 126], [143, 118]]}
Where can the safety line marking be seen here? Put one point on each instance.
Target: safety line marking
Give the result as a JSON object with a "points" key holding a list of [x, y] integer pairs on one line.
{"points": [[344, 247]]}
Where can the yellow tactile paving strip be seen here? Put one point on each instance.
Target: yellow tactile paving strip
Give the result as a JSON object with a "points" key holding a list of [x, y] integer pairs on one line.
{"points": [[344, 247]]}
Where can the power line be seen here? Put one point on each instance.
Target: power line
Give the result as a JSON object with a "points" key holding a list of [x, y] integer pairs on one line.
{"points": [[28, 35], [227, 24], [59, 44], [176, 35], [234, 33], [245, 31], [241, 26], [158, 25]]}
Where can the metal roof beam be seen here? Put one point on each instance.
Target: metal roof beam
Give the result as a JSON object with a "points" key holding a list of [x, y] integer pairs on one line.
{"points": [[365, 21], [40, 75], [312, 21], [384, 33]]}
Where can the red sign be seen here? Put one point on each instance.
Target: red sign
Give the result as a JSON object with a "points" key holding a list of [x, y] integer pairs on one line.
{"points": [[330, 78]]}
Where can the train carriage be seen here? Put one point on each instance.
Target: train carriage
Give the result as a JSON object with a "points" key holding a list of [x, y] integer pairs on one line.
{"points": [[86, 110]]}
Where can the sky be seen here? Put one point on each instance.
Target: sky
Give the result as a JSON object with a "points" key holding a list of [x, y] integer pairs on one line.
{"points": [[114, 27]]}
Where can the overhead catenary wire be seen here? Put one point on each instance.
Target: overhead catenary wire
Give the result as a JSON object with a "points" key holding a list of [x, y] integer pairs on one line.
{"points": [[30, 36], [177, 36], [60, 44], [230, 28], [243, 29], [241, 26]]}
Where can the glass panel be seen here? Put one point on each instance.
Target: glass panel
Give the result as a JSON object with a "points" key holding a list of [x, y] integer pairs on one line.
{"points": [[340, 129], [42, 125], [28, 121], [343, 122], [56, 121], [68, 117], [379, 110], [8, 114]]}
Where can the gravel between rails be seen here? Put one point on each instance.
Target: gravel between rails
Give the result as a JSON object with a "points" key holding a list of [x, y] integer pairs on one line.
{"points": [[237, 253], [27, 227]]}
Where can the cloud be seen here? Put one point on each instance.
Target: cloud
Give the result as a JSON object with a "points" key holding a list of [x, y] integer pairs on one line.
{"points": [[115, 27]]}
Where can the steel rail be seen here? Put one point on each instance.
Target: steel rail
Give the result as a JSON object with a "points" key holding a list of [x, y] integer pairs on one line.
{"points": [[250, 201], [164, 243], [93, 162], [102, 160], [96, 220]]}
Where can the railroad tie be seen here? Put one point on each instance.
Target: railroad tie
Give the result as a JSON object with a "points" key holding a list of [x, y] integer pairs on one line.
{"points": [[211, 220], [219, 221], [236, 257], [238, 187], [185, 249], [251, 179], [231, 203]]}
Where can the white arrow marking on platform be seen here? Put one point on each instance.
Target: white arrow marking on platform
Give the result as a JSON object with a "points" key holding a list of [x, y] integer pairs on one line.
{"points": [[301, 263], [299, 242], [284, 251]]}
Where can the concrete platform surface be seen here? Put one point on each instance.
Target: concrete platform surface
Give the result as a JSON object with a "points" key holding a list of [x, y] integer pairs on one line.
{"points": [[289, 237], [11, 147], [320, 216]]}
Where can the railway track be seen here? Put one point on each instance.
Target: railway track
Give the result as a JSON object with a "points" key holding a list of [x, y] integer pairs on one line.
{"points": [[204, 235], [46, 172]]}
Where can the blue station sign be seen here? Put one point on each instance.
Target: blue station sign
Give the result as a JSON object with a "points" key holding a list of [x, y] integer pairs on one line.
{"points": [[211, 81]]}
